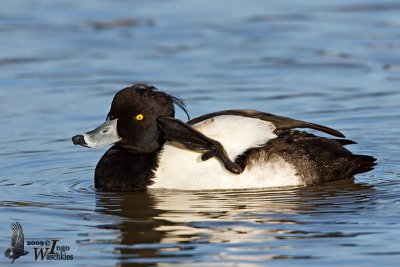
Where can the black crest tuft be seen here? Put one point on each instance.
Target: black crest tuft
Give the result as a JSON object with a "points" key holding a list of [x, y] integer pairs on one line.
{"points": [[179, 102]]}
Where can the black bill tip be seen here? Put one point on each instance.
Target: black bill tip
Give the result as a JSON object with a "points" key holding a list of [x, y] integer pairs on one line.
{"points": [[79, 140]]}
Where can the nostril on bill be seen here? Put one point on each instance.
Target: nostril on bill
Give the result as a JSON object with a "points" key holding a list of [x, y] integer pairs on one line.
{"points": [[78, 140]]}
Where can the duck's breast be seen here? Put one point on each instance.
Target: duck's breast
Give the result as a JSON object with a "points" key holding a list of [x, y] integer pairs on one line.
{"points": [[183, 169]]}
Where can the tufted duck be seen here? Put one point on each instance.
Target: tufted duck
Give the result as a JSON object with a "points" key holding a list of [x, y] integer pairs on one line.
{"points": [[229, 149]]}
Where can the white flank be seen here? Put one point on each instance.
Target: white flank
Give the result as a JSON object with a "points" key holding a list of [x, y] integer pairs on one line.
{"points": [[237, 133], [183, 169]]}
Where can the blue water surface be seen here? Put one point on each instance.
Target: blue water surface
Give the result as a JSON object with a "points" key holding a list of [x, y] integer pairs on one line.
{"points": [[335, 63]]}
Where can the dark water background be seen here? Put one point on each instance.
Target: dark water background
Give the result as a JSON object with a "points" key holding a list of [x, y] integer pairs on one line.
{"points": [[335, 63]]}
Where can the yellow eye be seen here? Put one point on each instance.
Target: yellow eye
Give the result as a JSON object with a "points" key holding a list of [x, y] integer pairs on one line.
{"points": [[139, 117]]}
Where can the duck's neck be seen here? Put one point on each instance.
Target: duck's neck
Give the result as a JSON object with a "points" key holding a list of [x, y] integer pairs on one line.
{"points": [[122, 170]]}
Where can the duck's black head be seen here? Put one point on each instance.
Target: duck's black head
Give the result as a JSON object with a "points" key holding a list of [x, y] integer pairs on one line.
{"points": [[132, 120]]}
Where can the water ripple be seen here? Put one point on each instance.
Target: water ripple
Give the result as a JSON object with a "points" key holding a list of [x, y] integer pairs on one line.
{"points": [[331, 63]]}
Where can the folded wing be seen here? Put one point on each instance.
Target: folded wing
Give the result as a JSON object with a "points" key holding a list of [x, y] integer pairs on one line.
{"points": [[281, 123]]}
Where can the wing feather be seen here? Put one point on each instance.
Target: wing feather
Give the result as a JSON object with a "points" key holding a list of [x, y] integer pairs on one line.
{"points": [[281, 123], [17, 236]]}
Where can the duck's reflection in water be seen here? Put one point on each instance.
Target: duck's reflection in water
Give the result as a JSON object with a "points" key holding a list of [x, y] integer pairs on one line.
{"points": [[175, 226]]}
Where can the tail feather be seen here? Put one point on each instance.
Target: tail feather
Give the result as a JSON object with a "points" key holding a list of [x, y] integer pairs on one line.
{"points": [[345, 142], [363, 163]]}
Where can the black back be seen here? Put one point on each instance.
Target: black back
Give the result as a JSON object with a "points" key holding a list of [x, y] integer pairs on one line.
{"points": [[316, 159]]}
